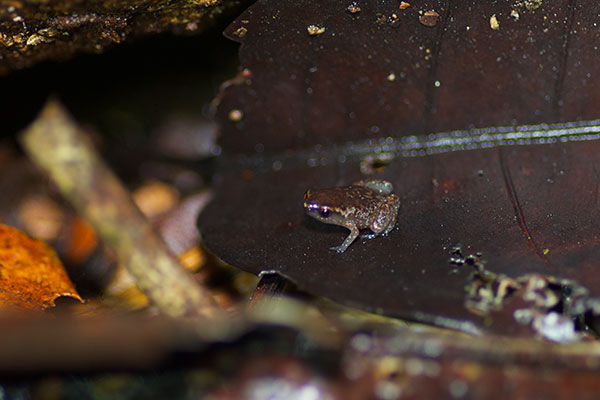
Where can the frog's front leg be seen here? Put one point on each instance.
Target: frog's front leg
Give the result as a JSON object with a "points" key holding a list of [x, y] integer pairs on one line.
{"points": [[385, 219], [378, 185], [349, 239]]}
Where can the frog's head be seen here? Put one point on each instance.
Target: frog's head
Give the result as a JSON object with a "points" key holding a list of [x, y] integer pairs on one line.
{"points": [[321, 205]]}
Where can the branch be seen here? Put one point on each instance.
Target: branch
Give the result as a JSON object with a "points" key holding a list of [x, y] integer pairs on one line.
{"points": [[58, 145]]}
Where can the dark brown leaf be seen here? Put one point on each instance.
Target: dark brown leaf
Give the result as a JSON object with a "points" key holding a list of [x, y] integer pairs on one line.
{"points": [[288, 117]]}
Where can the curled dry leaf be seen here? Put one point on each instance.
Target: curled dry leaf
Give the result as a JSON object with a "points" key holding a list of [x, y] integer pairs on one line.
{"points": [[31, 275]]}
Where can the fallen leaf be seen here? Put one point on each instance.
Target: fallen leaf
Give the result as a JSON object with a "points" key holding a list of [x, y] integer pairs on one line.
{"points": [[31, 275], [323, 111]]}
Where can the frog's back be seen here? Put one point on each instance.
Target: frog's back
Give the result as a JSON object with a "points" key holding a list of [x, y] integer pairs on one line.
{"points": [[345, 197]]}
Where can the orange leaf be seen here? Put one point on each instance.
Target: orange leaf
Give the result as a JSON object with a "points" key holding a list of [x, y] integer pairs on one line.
{"points": [[31, 275], [80, 242]]}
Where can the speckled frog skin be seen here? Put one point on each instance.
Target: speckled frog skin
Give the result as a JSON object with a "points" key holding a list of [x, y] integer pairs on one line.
{"points": [[364, 204]]}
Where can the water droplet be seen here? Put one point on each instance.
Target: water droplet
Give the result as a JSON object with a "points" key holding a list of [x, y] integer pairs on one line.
{"points": [[235, 115]]}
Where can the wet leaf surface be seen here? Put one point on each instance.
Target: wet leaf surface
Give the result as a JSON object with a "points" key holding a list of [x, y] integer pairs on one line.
{"points": [[288, 117], [31, 275]]}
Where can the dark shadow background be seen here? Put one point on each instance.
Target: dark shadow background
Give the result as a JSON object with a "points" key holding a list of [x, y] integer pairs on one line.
{"points": [[125, 93]]}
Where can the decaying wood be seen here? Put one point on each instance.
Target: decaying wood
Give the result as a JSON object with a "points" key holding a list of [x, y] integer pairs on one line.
{"points": [[33, 31]]}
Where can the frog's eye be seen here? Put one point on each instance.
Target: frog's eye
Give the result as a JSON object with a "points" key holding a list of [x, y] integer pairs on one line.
{"points": [[325, 212]]}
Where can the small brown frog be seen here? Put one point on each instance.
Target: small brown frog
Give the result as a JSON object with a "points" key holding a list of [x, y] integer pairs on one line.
{"points": [[364, 204]]}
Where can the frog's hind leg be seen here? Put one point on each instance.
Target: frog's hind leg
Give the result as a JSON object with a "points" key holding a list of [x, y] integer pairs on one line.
{"points": [[385, 220], [378, 185]]}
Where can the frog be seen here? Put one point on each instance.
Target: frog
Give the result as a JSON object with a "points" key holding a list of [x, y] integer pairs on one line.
{"points": [[364, 204]]}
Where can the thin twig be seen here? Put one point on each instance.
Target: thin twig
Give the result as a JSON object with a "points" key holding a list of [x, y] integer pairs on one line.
{"points": [[57, 144]]}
